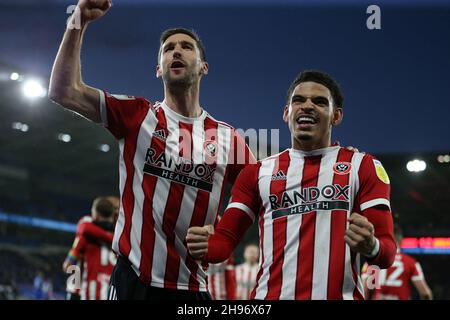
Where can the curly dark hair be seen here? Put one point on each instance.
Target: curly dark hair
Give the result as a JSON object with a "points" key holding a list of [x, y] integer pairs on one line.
{"points": [[321, 78]]}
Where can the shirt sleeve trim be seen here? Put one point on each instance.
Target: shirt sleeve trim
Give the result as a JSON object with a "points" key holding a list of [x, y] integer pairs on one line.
{"points": [[103, 111], [244, 208], [375, 202]]}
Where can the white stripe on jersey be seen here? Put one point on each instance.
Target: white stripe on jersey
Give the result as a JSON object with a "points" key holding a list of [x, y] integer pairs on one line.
{"points": [[120, 224], [110, 293], [148, 125], [349, 283], [322, 232], [265, 174], [224, 139], [188, 205], [289, 271], [92, 290], [160, 197]]}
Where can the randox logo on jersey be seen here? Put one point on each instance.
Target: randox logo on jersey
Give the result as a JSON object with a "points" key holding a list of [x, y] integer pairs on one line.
{"points": [[179, 170], [294, 202]]}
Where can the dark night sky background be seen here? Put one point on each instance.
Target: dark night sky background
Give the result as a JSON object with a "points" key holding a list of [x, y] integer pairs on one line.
{"points": [[395, 80]]}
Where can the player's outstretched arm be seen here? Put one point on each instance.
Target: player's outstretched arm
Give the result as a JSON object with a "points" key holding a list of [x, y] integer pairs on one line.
{"points": [[423, 289], [66, 85], [94, 231]]}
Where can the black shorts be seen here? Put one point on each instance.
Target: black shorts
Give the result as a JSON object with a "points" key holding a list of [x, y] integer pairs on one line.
{"points": [[72, 296], [126, 285]]}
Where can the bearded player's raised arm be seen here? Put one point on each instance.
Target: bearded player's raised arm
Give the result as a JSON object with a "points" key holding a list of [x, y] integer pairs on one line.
{"points": [[66, 85]]}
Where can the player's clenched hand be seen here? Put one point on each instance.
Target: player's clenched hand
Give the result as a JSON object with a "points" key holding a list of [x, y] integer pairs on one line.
{"points": [[66, 265], [360, 234], [93, 9], [197, 240]]}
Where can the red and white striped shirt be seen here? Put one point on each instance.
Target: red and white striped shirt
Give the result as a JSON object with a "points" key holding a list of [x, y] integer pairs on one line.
{"points": [[173, 170], [245, 280], [96, 261], [304, 200], [222, 280]]}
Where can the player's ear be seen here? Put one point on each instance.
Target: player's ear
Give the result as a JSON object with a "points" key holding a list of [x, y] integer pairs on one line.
{"points": [[158, 71], [286, 114], [205, 68], [338, 115]]}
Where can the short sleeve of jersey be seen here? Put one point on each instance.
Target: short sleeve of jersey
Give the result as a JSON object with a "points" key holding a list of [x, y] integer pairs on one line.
{"points": [[417, 273], [79, 244], [374, 184], [121, 113], [240, 156], [78, 247], [244, 194]]}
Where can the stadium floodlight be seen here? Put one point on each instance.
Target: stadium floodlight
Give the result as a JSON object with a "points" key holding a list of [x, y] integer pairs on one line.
{"points": [[24, 127], [20, 126], [14, 76], [64, 137], [416, 165], [104, 147], [34, 89]]}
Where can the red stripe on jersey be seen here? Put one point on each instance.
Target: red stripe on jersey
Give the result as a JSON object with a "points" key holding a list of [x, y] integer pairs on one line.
{"points": [[128, 194], [148, 223], [201, 205], [172, 209], [213, 286], [261, 237], [336, 266], [357, 295], [279, 225], [305, 262]]}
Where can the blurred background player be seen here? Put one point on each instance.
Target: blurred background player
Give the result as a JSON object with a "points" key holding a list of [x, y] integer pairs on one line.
{"points": [[246, 272], [222, 279], [43, 287], [91, 251], [395, 282]]}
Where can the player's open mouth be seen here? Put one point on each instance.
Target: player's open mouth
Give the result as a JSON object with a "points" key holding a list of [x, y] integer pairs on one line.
{"points": [[177, 65], [305, 120]]}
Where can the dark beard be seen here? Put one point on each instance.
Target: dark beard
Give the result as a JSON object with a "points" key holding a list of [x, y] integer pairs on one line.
{"points": [[304, 137], [178, 84]]}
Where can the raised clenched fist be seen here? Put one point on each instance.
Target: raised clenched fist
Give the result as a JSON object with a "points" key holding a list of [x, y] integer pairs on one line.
{"points": [[93, 9]]}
